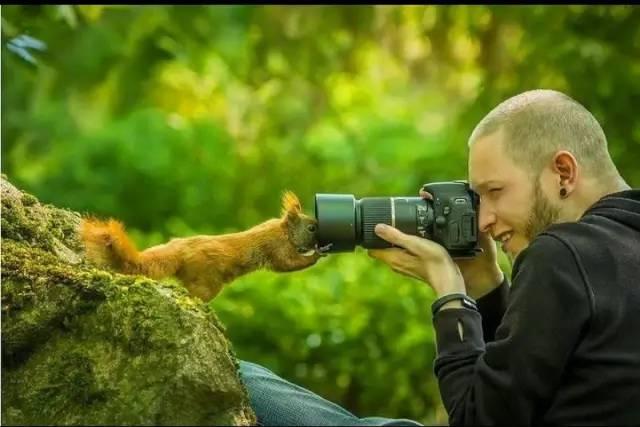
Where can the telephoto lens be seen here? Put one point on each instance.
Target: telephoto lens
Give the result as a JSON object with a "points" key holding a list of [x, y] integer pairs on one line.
{"points": [[449, 219], [345, 222]]}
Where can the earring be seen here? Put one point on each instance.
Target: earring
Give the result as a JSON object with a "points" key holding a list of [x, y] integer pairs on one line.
{"points": [[563, 192]]}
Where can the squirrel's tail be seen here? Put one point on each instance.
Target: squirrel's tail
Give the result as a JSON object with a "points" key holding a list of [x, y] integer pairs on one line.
{"points": [[107, 245]]}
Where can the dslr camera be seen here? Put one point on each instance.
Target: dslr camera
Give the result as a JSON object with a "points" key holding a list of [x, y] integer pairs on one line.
{"points": [[450, 219]]}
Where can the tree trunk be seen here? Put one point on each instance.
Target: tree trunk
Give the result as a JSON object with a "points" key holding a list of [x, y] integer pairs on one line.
{"points": [[85, 346]]}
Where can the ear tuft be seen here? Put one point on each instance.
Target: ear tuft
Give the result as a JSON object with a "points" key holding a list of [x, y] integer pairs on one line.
{"points": [[290, 204]]}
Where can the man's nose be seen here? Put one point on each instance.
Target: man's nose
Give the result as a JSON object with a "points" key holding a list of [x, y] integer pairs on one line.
{"points": [[486, 218]]}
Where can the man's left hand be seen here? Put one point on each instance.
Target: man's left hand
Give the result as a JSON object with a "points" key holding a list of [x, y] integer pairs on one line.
{"points": [[421, 259]]}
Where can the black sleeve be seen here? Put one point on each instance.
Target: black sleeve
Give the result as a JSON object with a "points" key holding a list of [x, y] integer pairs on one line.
{"points": [[492, 307], [506, 381]]}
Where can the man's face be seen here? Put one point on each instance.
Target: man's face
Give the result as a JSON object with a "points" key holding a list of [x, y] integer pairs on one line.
{"points": [[514, 207]]}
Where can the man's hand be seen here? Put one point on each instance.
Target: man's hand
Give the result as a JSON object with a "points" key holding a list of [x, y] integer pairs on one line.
{"points": [[481, 274], [421, 259]]}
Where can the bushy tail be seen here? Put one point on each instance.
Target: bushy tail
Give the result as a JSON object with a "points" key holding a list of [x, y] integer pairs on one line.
{"points": [[107, 245]]}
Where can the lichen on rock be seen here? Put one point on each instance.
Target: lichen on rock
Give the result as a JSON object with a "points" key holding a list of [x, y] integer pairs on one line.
{"points": [[86, 346]]}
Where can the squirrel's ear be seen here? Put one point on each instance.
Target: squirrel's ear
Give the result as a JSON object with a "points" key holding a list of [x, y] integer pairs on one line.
{"points": [[291, 205]]}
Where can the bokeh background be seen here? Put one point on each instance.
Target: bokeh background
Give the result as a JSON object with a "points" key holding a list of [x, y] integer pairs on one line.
{"points": [[184, 120]]}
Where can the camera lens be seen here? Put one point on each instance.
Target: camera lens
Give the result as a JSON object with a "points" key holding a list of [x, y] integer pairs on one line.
{"points": [[345, 222], [338, 226]]}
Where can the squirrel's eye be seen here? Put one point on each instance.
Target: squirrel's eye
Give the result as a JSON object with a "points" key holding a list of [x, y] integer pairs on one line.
{"points": [[311, 227]]}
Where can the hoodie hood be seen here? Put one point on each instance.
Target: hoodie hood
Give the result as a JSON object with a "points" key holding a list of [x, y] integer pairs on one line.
{"points": [[622, 207]]}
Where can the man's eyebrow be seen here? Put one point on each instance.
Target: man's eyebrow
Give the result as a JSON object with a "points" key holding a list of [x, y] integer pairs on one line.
{"points": [[480, 187]]}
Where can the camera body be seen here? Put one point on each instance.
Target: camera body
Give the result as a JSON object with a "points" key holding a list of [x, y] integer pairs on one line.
{"points": [[455, 209], [450, 219]]}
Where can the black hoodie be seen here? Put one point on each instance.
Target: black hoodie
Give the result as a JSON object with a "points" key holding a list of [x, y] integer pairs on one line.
{"points": [[563, 342]]}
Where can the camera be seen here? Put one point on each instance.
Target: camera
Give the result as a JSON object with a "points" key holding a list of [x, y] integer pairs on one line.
{"points": [[450, 219]]}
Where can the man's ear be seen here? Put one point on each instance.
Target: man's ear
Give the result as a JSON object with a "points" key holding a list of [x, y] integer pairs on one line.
{"points": [[291, 206], [565, 165]]}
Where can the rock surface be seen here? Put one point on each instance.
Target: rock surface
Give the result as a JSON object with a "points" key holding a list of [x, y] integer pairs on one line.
{"points": [[85, 346]]}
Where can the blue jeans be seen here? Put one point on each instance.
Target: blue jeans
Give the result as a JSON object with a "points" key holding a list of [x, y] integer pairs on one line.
{"points": [[277, 402]]}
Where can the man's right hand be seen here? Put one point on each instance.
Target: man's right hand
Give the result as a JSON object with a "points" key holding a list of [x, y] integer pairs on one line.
{"points": [[482, 273]]}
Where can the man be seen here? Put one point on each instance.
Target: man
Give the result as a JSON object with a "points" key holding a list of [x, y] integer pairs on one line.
{"points": [[561, 345]]}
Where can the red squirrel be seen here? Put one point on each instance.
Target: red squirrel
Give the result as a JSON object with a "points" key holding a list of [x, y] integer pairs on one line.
{"points": [[204, 264]]}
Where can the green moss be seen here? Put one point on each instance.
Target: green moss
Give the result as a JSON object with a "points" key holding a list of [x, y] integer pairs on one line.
{"points": [[86, 346], [64, 224], [28, 199]]}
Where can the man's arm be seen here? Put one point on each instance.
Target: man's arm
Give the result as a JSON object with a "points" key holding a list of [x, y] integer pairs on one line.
{"points": [[513, 378], [492, 307]]}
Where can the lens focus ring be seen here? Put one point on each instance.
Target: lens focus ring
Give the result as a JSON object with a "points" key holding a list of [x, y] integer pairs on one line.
{"points": [[375, 211]]}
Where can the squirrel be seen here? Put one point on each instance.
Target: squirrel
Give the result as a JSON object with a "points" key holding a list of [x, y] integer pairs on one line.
{"points": [[203, 263]]}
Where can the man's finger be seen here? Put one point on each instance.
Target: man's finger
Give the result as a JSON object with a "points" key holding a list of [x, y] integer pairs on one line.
{"points": [[409, 273], [418, 246], [413, 244], [395, 257], [398, 259], [393, 235], [386, 255], [426, 195]]}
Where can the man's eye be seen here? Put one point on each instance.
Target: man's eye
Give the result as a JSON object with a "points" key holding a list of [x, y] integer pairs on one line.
{"points": [[494, 190]]}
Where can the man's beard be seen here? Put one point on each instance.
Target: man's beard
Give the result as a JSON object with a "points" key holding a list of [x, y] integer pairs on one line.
{"points": [[542, 215]]}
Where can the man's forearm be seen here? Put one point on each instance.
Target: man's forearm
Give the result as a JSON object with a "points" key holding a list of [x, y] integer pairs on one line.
{"points": [[459, 344], [492, 307], [461, 334]]}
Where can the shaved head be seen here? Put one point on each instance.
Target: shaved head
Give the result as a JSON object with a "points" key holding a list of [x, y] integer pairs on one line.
{"points": [[538, 123]]}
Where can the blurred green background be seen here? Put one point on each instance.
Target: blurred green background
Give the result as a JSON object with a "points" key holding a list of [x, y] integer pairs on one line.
{"points": [[183, 120]]}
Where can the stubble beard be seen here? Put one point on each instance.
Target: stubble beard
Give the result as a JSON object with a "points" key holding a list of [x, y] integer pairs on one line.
{"points": [[543, 213]]}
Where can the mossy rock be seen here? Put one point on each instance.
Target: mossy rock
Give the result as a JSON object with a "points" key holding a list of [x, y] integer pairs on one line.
{"points": [[82, 346]]}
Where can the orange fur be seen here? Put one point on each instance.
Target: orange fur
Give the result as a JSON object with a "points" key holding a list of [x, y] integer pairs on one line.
{"points": [[205, 264], [290, 203]]}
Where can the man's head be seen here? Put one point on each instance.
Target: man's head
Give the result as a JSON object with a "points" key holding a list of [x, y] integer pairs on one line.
{"points": [[536, 159]]}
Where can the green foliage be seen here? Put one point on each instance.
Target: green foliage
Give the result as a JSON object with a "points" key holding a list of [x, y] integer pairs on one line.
{"points": [[194, 119]]}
